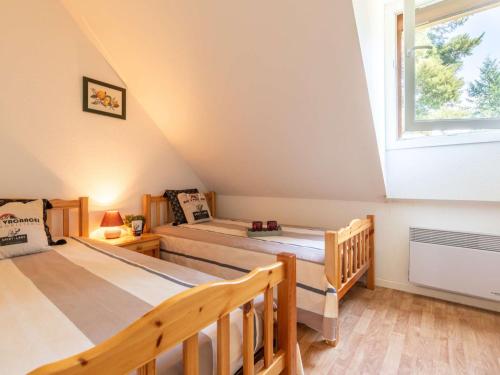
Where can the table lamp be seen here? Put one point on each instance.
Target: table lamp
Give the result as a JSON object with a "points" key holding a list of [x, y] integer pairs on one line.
{"points": [[112, 220]]}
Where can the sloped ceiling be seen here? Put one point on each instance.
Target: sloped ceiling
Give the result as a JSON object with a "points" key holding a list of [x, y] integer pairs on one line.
{"points": [[263, 98]]}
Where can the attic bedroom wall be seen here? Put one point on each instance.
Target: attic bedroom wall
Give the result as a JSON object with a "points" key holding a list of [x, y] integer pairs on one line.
{"points": [[263, 98], [50, 147], [369, 17]]}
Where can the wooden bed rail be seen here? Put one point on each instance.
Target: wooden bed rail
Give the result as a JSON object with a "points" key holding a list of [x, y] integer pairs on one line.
{"points": [[181, 317], [350, 253], [163, 211], [82, 205]]}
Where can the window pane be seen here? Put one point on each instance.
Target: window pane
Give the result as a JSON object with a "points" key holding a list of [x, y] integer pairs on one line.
{"points": [[457, 74]]}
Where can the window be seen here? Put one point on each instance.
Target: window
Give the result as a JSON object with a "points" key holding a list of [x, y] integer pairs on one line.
{"points": [[448, 66]]}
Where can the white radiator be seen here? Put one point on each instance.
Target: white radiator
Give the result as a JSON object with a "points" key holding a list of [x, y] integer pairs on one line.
{"points": [[465, 263]]}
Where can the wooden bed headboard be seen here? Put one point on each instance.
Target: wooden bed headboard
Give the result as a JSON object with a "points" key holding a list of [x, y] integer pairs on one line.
{"points": [[162, 210], [82, 205]]}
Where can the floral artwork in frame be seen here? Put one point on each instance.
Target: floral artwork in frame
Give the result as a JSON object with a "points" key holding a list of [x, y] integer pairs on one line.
{"points": [[104, 99]]}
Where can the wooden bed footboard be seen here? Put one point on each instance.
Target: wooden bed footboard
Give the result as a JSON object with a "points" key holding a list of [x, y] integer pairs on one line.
{"points": [[160, 206], [350, 253], [182, 317]]}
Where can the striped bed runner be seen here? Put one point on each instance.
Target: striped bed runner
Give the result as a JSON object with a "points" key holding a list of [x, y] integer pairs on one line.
{"points": [[222, 248], [66, 300]]}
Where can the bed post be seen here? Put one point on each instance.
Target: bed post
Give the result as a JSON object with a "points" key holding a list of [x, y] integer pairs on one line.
{"points": [[370, 278], [287, 313], [146, 211], [211, 200], [333, 269], [83, 220], [332, 259]]}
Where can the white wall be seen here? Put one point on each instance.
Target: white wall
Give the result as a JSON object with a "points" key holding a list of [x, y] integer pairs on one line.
{"points": [[392, 222], [455, 172], [49, 146], [271, 90], [369, 16]]}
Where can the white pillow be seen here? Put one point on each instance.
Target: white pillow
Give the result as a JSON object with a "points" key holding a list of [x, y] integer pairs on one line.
{"points": [[22, 229], [195, 207]]}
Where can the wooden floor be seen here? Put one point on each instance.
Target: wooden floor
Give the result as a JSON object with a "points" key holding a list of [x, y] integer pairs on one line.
{"points": [[390, 332]]}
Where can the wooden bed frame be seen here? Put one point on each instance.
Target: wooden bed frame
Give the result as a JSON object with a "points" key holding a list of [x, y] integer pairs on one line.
{"points": [[180, 318], [349, 251]]}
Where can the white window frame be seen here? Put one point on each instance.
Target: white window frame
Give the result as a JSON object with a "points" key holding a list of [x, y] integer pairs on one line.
{"points": [[393, 140], [433, 13]]}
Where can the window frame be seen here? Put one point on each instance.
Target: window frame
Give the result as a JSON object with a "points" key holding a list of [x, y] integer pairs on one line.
{"points": [[394, 139], [405, 30]]}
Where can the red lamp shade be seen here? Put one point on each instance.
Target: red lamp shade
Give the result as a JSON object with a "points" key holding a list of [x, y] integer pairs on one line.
{"points": [[111, 219]]}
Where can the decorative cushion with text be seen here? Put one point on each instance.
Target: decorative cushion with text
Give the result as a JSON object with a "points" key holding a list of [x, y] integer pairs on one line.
{"points": [[22, 229], [195, 207], [171, 195], [46, 206]]}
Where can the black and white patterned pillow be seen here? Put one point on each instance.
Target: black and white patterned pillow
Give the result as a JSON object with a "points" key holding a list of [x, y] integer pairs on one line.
{"points": [[171, 195], [46, 206]]}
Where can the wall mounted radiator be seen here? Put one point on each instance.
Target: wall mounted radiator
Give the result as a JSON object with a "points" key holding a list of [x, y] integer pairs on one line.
{"points": [[465, 263]]}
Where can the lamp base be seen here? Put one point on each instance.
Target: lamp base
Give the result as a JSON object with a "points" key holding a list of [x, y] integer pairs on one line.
{"points": [[112, 233]]}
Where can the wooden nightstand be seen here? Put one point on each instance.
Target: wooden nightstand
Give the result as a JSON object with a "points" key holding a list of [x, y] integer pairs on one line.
{"points": [[147, 244]]}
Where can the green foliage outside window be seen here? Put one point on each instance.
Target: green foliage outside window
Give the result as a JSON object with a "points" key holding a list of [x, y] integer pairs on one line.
{"points": [[440, 91]]}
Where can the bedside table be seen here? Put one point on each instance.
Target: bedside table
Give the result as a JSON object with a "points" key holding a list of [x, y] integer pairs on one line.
{"points": [[147, 244]]}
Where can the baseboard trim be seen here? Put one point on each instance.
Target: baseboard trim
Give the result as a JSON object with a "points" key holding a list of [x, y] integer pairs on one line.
{"points": [[439, 294]]}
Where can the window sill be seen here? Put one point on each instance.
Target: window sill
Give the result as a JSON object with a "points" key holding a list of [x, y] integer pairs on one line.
{"points": [[444, 140]]}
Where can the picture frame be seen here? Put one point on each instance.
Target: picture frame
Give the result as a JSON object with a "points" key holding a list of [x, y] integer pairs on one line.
{"points": [[136, 226], [104, 99]]}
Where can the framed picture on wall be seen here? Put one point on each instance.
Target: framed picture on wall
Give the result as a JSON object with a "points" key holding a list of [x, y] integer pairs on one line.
{"points": [[104, 99]]}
